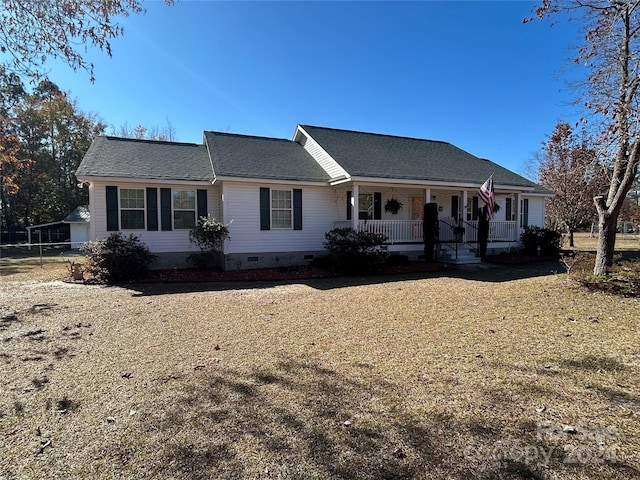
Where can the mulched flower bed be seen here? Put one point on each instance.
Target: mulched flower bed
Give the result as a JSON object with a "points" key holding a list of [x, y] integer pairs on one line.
{"points": [[515, 259], [190, 275], [276, 274]]}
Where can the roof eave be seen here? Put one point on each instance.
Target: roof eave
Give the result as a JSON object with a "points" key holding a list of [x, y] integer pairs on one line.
{"points": [[142, 180], [435, 183], [239, 179]]}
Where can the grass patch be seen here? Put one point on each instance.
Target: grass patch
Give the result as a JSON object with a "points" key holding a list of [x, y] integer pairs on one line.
{"points": [[584, 242], [499, 372]]}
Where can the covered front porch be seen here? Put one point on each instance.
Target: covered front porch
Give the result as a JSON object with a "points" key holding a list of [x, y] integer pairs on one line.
{"points": [[410, 231], [368, 209]]}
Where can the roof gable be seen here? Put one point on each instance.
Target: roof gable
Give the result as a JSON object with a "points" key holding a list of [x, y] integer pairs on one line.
{"points": [[146, 159], [364, 154], [80, 215], [246, 156]]}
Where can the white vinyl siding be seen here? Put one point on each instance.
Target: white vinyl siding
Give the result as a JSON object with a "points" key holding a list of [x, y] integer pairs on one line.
{"points": [[328, 164], [536, 211], [319, 212], [158, 241]]}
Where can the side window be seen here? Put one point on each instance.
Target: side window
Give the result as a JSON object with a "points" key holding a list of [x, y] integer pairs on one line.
{"points": [[365, 206], [281, 209], [132, 208], [524, 213], [508, 209], [184, 209]]}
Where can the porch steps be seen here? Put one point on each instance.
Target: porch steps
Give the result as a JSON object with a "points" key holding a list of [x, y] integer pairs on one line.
{"points": [[466, 255]]}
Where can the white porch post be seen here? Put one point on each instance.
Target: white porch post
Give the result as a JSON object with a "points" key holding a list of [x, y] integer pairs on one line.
{"points": [[464, 212], [354, 207], [516, 210], [427, 195], [464, 205], [223, 212]]}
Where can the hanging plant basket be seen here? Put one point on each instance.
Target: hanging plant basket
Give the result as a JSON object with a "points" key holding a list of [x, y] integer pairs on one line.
{"points": [[393, 205]]}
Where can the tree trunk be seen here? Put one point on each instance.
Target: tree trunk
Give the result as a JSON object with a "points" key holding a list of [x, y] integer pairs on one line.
{"points": [[606, 242], [571, 244]]}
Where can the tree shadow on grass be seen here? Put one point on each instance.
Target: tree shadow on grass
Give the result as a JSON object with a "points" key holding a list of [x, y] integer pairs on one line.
{"points": [[298, 419], [483, 273]]}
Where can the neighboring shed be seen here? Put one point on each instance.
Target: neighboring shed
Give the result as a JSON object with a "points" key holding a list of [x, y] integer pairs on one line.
{"points": [[78, 221], [73, 228]]}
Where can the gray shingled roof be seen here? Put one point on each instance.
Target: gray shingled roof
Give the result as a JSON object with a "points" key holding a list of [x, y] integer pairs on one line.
{"points": [[386, 156], [79, 215], [148, 159], [230, 155], [260, 157]]}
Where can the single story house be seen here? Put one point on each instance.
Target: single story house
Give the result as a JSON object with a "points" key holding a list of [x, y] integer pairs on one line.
{"points": [[281, 196]]}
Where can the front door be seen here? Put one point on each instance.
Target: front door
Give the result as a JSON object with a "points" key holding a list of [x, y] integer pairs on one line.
{"points": [[417, 213], [417, 208]]}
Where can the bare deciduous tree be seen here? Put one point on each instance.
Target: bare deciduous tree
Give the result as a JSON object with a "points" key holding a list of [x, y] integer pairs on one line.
{"points": [[569, 168], [140, 132], [31, 31], [611, 52]]}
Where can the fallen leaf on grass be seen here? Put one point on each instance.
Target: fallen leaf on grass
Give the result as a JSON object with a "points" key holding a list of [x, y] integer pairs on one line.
{"points": [[166, 378], [399, 453]]}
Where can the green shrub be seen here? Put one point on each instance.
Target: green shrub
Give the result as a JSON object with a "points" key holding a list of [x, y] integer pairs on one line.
{"points": [[549, 241], [354, 252], [209, 234], [118, 258]]}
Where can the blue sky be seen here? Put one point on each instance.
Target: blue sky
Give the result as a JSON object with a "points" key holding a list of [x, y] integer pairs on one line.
{"points": [[466, 72]]}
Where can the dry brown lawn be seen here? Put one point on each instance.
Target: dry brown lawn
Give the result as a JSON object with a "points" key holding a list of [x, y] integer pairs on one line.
{"points": [[466, 374], [583, 241]]}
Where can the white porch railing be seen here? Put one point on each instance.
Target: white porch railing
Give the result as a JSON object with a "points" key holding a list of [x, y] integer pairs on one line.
{"points": [[410, 231], [498, 231], [396, 231]]}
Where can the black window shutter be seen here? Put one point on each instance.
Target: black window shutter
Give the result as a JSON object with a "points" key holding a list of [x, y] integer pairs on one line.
{"points": [[297, 209], [455, 207], [202, 203], [377, 205], [152, 208], [165, 209], [112, 209], [349, 208], [265, 209], [474, 208]]}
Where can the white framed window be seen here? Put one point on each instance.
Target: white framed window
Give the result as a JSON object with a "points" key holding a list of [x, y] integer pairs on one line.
{"points": [[524, 213], [132, 208], [184, 209], [365, 206], [509, 216], [281, 209]]}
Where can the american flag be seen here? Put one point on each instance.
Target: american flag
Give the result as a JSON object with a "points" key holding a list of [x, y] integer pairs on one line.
{"points": [[488, 196]]}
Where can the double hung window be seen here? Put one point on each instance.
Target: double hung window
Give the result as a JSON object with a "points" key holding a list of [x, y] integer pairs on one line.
{"points": [[184, 209], [281, 209], [132, 208]]}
